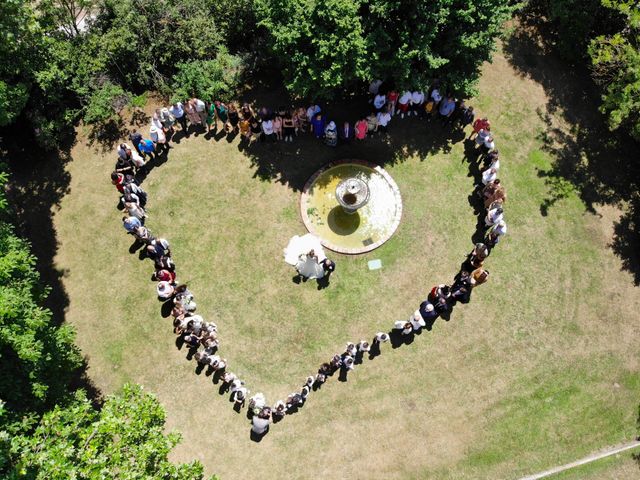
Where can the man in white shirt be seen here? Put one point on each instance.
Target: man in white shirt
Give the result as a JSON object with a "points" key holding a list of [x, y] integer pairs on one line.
{"points": [[384, 118], [417, 99], [177, 110], [404, 102]]}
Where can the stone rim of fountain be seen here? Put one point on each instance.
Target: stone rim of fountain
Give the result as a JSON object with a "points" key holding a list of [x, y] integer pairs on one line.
{"points": [[337, 248]]}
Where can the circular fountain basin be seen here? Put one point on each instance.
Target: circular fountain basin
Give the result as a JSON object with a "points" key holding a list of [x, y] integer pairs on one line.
{"points": [[342, 231]]}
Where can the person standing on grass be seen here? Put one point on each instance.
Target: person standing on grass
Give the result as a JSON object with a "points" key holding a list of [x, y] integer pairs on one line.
{"points": [[403, 326], [234, 117], [201, 110], [494, 234], [211, 117], [446, 109], [372, 124], [465, 115], [404, 102], [277, 127], [346, 133], [428, 311], [392, 100], [381, 337], [318, 125], [192, 113], [288, 127], [177, 110], [481, 136], [245, 128], [267, 130], [130, 223], [383, 119], [417, 99], [256, 129], [480, 124], [361, 129], [168, 120], [159, 139], [379, 102], [147, 147], [135, 137], [222, 114], [479, 276]]}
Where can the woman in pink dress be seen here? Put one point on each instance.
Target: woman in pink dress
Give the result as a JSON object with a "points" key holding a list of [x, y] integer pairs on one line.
{"points": [[361, 129]]}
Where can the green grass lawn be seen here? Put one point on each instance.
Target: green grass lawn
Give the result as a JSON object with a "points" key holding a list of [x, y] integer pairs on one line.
{"points": [[538, 370]]}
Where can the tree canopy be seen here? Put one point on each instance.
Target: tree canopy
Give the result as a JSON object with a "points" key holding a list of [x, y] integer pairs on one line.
{"points": [[327, 46]]}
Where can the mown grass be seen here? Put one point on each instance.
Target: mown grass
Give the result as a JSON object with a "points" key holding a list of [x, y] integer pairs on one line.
{"points": [[538, 370]]}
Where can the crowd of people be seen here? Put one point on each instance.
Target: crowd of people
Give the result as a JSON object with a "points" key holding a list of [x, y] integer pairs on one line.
{"points": [[284, 125]]}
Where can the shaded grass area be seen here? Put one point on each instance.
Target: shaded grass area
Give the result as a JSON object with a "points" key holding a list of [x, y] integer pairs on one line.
{"points": [[536, 371]]}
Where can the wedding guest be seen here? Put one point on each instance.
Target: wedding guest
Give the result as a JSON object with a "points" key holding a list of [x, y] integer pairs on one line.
{"points": [[405, 327]]}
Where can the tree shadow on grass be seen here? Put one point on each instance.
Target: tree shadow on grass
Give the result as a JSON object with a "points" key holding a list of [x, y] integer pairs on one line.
{"points": [[292, 164], [601, 166], [38, 181]]}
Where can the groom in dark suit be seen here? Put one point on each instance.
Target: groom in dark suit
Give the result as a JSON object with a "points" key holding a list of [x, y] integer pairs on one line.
{"points": [[346, 133]]}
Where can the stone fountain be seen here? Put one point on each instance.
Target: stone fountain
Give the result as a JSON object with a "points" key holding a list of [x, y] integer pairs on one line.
{"points": [[352, 206]]}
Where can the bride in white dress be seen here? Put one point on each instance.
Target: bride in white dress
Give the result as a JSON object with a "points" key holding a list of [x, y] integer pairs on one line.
{"points": [[298, 253]]}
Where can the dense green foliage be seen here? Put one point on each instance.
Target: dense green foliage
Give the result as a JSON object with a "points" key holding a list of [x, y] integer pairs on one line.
{"points": [[54, 71], [208, 79], [124, 440], [616, 62], [38, 357], [328, 45]]}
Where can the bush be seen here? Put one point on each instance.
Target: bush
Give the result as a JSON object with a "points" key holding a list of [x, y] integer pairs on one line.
{"points": [[210, 80]]}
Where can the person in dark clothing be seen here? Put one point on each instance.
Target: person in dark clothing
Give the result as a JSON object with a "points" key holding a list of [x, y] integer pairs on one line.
{"points": [[136, 138]]}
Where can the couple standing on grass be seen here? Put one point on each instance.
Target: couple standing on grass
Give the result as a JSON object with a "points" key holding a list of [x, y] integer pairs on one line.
{"points": [[307, 256]]}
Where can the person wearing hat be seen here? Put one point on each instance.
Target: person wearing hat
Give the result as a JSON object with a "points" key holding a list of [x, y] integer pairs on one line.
{"points": [[159, 138], [331, 134], [416, 320]]}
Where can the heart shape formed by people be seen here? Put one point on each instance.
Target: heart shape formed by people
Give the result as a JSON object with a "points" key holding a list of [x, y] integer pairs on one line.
{"points": [[195, 331]]}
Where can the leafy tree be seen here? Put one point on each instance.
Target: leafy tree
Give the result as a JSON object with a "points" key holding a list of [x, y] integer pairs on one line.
{"points": [[207, 79], [38, 357], [106, 103], [140, 42], [330, 45], [320, 43], [124, 440], [616, 66]]}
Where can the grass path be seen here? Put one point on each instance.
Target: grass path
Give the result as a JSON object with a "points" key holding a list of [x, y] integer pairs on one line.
{"points": [[536, 371]]}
